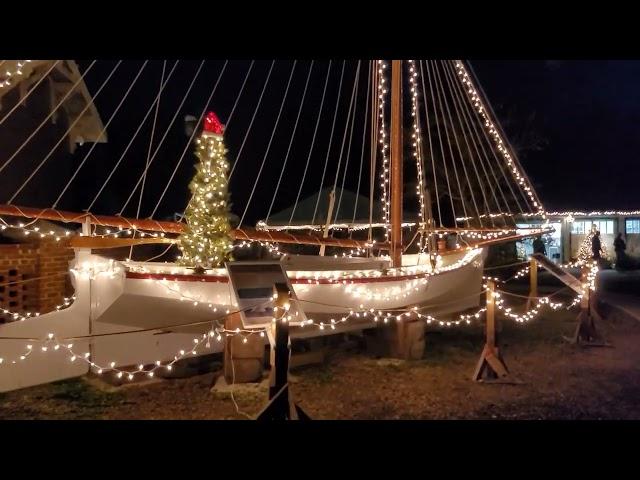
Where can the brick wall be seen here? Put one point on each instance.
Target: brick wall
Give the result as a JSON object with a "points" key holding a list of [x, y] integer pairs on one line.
{"points": [[44, 258]]}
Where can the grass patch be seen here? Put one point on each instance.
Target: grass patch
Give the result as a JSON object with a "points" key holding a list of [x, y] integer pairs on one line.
{"points": [[319, 374], [80, 394]]}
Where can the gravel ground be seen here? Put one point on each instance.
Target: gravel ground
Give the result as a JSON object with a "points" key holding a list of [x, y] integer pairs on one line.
{"points": [[559, 381]]}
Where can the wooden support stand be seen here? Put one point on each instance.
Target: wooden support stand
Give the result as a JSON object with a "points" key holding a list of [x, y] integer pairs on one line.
{"points": [[586, 333], [491, 366], [242, 360], [281, 405], [406, 339], [533, 282]]}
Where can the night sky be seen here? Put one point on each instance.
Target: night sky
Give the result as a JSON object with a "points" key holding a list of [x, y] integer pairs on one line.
{"points": [[574, 124], [588, 112]]}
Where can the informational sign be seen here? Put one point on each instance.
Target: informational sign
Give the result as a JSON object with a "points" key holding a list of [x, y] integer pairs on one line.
{"points": [[253, 287]]}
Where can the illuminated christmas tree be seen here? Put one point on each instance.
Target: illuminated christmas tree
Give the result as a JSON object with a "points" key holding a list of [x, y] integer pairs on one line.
{"points": [[585, 252], [206, 241]]}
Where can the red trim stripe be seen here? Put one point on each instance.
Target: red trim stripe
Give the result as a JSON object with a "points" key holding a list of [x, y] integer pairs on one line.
{"points": [[308, 281]]}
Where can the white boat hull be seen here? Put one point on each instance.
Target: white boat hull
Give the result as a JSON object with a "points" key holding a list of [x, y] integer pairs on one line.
{"points": [[143, 298]]}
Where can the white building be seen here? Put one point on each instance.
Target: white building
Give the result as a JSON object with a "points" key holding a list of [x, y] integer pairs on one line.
{"points": [[571, 228]]}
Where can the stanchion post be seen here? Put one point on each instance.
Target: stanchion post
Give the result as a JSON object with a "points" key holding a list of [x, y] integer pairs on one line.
{"points": [[490, 366], [281, 405], [533, 282]]}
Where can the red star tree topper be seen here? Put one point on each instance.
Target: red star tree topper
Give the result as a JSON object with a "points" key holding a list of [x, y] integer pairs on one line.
{"points": [[212, 124]]}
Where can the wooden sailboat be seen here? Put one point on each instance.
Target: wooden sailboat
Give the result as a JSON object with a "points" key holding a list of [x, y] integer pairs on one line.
{"points": [[152, 297]]}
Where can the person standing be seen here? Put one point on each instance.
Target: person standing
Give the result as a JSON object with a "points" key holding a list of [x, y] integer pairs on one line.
{"points": [[539, 247], [596, 246], [620, 246]]}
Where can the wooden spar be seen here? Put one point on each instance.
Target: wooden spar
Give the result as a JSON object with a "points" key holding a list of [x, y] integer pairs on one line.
{"points": [[396, 163], [303, 239], [111, 242], [176, 228], [124, 223], [100, 220], [332, 198]]}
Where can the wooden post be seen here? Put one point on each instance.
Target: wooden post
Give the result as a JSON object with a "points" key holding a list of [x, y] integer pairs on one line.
{"points": [[533, 278], [332, 199], [491, 365], [586, 333], [281, 405], [396, 163], [242, 361]]}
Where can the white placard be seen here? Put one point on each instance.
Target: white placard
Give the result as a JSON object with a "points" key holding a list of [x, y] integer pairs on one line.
{"points": [[253, 286]]}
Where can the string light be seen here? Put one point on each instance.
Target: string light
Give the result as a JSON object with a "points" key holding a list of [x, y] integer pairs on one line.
{"points": [[22, 316], [416, 143], [500, 145], [358, 315], [9, 75], [384, 147]]}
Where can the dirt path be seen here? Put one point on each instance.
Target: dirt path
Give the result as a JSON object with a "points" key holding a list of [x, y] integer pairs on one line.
{"points": [[560, 382]]}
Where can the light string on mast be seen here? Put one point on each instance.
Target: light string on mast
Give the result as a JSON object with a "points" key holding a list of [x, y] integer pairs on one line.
{"points": [[384, 148], [464, 121], [89, 104], [416, 142], [131, 140], [500, 144], [470, 113], [509, 149]]}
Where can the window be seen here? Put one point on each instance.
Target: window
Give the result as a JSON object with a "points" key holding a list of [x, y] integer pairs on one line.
{"points": [[583, 227], [579, 228], [633, 225]]}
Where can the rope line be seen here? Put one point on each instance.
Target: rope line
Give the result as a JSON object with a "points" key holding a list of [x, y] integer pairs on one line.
{"points": [[266, 153], [313, 141], [293, 134], [188, 144], [326, 161], [135, 134], [104, 129], [155, 153], [68, 131], [53, 110]]}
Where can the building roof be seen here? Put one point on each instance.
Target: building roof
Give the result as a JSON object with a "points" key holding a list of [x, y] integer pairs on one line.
{"points": [[22, 75]]}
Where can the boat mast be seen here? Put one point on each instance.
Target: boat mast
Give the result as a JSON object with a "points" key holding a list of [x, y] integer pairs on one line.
{"points": [[396, 162]]}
